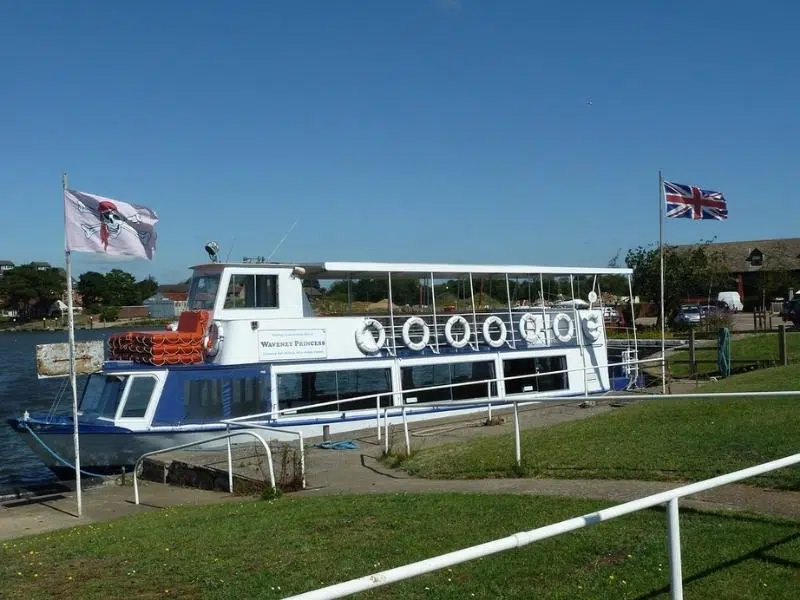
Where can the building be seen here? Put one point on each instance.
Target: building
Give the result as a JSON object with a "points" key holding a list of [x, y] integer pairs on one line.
{"points": [[169, 301], [41, 266], [5, 266], [760, 269]]}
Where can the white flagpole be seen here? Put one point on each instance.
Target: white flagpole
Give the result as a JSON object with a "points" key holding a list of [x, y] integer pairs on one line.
{"points": [[661, 209], [72, 381]]}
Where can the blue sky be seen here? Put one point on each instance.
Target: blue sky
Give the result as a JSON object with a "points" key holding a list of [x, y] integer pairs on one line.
{"points": [[423, 130]]}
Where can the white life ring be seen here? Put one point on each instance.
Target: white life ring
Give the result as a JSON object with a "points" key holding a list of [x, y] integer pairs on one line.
{"points": [[487, 334], [366, 341], [212, 340], [592, 326], [420, 343], [563, 337], [532, 334], [448, 331]]}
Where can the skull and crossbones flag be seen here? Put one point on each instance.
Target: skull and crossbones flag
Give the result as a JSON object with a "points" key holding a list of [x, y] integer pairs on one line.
{"points": [[97, 224]]}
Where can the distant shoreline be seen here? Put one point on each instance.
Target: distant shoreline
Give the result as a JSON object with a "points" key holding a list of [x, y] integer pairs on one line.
{"points": [[144, 325]]}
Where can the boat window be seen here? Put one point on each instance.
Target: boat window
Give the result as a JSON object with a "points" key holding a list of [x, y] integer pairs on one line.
{"points": [[252, 291], [140, 390], [449, 374], [302, 389], [546, 381], [202, 400], [203, 292], [101, 395], [247, 394]]}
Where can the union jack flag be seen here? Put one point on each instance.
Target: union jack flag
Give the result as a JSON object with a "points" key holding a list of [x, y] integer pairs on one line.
{"points": [[691, 202]]}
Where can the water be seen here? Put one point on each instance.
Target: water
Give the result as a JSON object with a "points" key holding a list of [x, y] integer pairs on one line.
{"points": [[20, 390]]}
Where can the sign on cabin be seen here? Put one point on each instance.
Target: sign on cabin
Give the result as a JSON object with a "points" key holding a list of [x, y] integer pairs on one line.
{"points": [[52, 360], [292, 344]]}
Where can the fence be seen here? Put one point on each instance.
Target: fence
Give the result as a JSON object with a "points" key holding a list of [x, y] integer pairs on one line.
{"points": [[524, 538]]}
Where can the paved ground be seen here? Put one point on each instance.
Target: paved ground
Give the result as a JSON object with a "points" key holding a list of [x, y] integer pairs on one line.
{"points": [[359, 471]]}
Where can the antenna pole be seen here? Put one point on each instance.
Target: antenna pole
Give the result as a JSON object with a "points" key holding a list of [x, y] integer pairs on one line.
{"points": [[283, 239]]}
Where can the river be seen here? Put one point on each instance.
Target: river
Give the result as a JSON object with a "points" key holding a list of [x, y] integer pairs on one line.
{"points": [[21, 390]]}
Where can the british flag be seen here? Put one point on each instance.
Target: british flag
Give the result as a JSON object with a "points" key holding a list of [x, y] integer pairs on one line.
{"points": [[691, 202]]}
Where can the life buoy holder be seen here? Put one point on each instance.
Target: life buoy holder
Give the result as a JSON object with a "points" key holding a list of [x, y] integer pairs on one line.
{"points": [[366, 341], [592, 326], [212, 340], [531, 328], [420, 343], [563, 337], [487, 332], [448, 331]]}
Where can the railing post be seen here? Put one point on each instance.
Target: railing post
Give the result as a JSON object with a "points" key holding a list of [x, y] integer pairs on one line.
{"points": [[783, 357], [378, 415], [230, 459], [692, 355], [675, 571], [489, 397], [517, 444], [405, 430], [302, 458], [386, 431]]}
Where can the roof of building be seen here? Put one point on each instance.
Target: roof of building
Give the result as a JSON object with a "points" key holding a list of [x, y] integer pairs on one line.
{"points": [[781, 254], [6, 263]]}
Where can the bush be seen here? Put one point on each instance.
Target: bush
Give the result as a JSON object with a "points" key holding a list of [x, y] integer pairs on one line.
{"points": [[109, 313]]}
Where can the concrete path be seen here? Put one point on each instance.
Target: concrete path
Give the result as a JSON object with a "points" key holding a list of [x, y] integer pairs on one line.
{"points": [[360, 471]]}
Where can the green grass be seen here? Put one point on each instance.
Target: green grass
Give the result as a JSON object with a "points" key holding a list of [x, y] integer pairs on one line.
{"points": [[751, 348], [273, 549], [664, 440]]}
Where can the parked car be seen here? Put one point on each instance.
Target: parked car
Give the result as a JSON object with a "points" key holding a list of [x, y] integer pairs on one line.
{"points": [[613, 317], [688, 315], [791, 311], [732, 299]]}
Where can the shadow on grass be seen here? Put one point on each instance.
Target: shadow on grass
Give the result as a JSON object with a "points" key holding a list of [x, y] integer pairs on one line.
{"points": [[760, 553]]}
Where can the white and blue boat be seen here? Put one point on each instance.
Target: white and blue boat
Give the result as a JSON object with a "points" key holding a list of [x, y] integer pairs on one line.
{"points": [[253, 345]]}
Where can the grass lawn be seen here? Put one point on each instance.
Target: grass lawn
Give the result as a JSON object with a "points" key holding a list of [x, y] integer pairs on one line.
{"points": [[273, 549], [751, 347], [667, 440]]}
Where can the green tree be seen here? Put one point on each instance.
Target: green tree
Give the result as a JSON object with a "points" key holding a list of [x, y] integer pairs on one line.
{"points": [[92, 288], [31, 290], [688, 271], [120, 288], [145, 288], [109, 313]]}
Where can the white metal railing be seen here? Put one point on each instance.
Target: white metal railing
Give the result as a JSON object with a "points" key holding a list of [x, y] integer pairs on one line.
{"points": [[525, 538], [300, 443], [227, 436]]}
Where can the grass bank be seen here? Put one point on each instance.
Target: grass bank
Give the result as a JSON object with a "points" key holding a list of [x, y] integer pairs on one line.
{"points": [[754, 348], [669, 440], [294, 544]]}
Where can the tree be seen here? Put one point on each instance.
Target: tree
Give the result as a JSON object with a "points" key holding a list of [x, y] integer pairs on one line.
{"points": [[120, 289], [31, 290], [145, 288], [92, 288], [687, 271]]}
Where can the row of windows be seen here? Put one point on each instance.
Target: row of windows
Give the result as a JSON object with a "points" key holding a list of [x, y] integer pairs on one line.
{"points": [[244, 291], [204, 399], [301, 389]]}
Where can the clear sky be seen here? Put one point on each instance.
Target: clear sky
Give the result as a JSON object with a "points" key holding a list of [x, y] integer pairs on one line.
{"points": [[416, 130]]}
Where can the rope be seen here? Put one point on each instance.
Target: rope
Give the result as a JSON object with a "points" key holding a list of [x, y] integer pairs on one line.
{"points": [[724, 352], [54, 455], [342, 445]]}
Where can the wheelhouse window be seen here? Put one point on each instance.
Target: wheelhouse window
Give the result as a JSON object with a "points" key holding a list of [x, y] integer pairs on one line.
{"points": [[140, 390], [252, 291], [102, 395], [296, 390], [449, 374], [203, 292], [542, 378]]}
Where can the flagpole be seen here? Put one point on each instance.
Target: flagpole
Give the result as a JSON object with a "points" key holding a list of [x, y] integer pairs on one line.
{"points": [[72, 380], [661, 261]]}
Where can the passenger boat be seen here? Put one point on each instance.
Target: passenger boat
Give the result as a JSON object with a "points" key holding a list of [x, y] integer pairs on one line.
{"points": [[258, 344]]}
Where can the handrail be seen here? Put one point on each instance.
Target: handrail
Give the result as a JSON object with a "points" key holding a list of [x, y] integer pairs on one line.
{"points": [[434, 387], [525, 538], [227, 436], [299, 435]]}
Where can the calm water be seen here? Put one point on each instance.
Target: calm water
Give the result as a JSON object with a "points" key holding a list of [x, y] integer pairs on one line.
{"points": [[21, 390]]}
